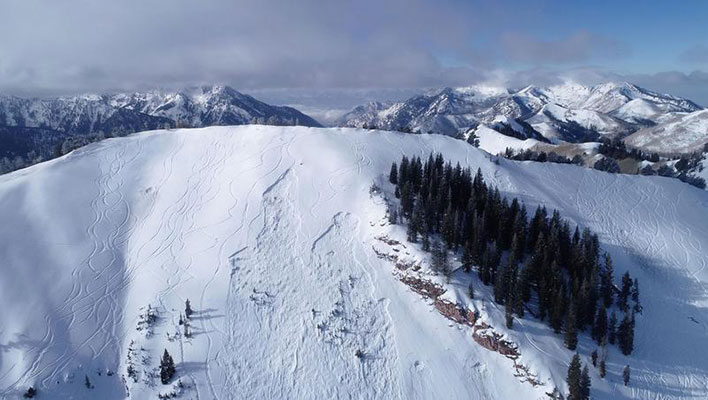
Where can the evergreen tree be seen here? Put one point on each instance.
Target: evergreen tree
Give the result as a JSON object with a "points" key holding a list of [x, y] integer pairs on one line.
{"points": [[599, 330], [509, 314], [571, 330], [625, 375], [188, 309], [393, 175], [624, 292], [557, 312], [478, 185], [403, 171], [167, 368], [593, 357], [407, 199], [418, 217], [187, 330], [603, 368], [87, 382], [412, 231], [635, 297], [448, 227], [467, 260], [585, 384], [30, 393], [470, 290], [485, 273], [499, 286], [525, 283], [440, 262], [518, 301], [606, 286], [612, 328], [573, 378], [480, 243], [625, 335], [516, 250], [425, 241], [392, 217]]}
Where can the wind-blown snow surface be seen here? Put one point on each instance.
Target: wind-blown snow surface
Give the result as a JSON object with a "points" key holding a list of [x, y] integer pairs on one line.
{"points": [[269, 232]]}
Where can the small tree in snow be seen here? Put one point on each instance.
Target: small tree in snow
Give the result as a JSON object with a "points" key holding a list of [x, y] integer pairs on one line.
{"points": [[188, 309], [585, 384], [167, 368], [625, 375], [393, 175], [30, 393], [594, 358], [573, 378], [187, 330]]}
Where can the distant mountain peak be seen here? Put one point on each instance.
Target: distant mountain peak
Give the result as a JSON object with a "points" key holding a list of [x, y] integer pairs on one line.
{"points": [[123, 113], [568, 111]]}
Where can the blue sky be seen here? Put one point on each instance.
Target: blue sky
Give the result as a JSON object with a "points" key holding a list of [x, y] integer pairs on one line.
{"points": [[654, 33], [360, 46]]}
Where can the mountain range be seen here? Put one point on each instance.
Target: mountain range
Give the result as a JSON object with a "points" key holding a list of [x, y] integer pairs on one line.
{"points": [[562, 113], [40, 124], [34, 129]]}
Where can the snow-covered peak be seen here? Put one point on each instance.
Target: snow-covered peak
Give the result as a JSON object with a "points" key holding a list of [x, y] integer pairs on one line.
{"points": [[638, 110], [128, 112], [568, 111], [568, 94], [678, 133], [482, 90]]}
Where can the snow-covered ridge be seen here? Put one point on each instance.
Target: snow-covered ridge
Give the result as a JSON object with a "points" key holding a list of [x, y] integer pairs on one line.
{"points": [[269, 232], [567, 112], [681, 133], [53, 120], [195, 106]]}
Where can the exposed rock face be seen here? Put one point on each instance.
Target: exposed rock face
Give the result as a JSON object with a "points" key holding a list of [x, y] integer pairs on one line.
{"points": [[455, 312], [423, 287], [494, 342]]}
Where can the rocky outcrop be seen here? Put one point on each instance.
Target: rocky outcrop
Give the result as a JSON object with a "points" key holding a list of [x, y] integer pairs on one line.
{"points": [[493, 341], [455, 312], [423, 287]]}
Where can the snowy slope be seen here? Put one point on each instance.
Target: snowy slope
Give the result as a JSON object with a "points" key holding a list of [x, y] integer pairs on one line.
{"points": [[494, 142], [576, 125], [269, 232], [682, 133], [638, 110]]}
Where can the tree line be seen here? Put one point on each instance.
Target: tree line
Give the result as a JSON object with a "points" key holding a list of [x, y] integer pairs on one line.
{"points": [[535, 264]]}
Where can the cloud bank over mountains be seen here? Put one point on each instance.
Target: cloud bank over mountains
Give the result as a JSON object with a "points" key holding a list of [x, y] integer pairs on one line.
{"points": [[82, 46]]}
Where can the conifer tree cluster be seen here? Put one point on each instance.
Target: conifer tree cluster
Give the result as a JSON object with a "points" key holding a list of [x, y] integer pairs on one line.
{"points": [[578, 380], [538, 264]]}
